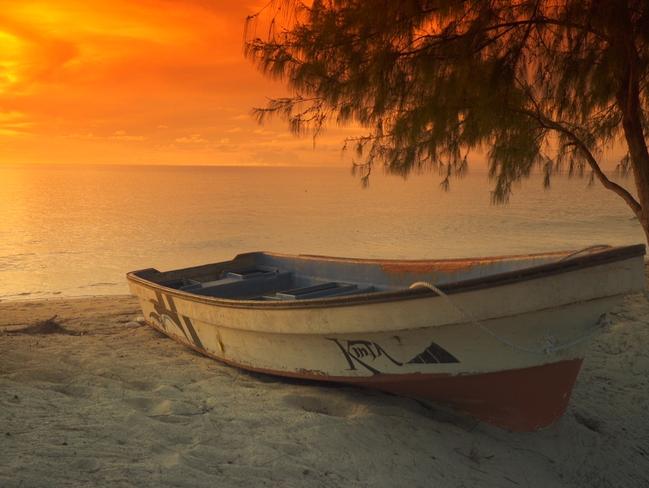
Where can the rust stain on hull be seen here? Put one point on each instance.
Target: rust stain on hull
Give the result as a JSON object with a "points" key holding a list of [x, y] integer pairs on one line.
{"points": [[520, 400], [452, 265], [428, 267], [308, 373]]}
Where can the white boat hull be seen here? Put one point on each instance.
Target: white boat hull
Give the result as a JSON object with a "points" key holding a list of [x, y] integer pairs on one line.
{"points": [[507, 354]]}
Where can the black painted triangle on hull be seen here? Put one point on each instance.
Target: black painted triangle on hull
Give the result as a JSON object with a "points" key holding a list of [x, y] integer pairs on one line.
{"points": [[434, 354]]}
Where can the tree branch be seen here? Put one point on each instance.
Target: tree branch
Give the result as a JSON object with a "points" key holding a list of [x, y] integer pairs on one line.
{"points": [[590, 159]]}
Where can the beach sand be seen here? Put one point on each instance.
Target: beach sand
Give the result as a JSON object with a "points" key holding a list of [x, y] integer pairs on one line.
{"points": [[103, 400]]}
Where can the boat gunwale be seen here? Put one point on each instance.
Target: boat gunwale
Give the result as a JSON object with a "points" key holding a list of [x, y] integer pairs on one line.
{"points": [[606, 256]]}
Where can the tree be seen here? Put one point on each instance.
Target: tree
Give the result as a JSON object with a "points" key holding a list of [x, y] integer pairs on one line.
{"points": [[546, 83]]}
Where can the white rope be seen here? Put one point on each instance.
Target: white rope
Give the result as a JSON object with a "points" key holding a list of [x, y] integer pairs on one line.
{"points": [[551, 343], [595, 247]]}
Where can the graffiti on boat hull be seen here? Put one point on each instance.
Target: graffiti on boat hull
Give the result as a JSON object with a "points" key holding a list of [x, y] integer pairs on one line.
{"points": [[167, 316], [362, 353], [369, 355]]}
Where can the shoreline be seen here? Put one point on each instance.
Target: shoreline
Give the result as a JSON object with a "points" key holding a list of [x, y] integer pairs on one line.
{"points": [[104, 400]]}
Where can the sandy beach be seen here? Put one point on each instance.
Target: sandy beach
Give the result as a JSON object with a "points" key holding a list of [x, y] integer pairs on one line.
{"points": [[96, 398]]}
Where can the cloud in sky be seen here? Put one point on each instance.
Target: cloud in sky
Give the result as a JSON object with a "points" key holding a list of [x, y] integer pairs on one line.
{"points": [[139, 81]]}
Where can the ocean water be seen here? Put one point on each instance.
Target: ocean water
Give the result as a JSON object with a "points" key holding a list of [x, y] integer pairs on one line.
{"points": [[76, 230]]}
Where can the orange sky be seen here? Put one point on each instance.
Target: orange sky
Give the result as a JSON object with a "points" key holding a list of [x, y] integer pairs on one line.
{"points": [[140, 81]]}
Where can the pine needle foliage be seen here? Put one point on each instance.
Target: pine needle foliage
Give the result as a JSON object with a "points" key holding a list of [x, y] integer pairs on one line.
{"points": [[531, 83]]}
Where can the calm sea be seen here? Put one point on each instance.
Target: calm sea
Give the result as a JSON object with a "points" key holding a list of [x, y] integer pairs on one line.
{"points": [[76, 230]]}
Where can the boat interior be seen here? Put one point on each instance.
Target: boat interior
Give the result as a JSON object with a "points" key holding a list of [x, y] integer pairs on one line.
{"points": [[276, 277]]}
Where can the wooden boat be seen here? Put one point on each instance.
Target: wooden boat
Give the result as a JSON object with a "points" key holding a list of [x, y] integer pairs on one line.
{"points": [[500, 338]]}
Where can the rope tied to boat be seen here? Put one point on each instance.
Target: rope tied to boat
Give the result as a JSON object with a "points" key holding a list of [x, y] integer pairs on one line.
{"points": [[595, 247], [552, 345]]}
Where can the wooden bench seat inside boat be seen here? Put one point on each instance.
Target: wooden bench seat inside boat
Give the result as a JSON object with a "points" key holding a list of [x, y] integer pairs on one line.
{"points": [[253, 286], [331, 288], [265, 283], [312, 291]]}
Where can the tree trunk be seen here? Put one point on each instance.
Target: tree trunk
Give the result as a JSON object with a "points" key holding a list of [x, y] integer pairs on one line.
{"points": [[628, 99], [631, 122], [640, 165]]}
